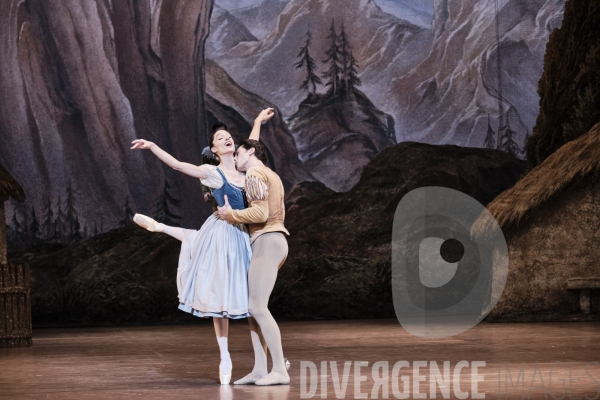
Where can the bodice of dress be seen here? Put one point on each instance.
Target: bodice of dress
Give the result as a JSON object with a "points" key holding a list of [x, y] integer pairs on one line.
{"points": [[235, 194]]}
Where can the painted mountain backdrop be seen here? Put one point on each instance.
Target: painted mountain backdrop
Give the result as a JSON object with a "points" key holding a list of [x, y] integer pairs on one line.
{"points": [[80, 79], [442, 69]]}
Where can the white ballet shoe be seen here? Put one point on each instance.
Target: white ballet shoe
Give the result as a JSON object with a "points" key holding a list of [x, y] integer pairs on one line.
{"points": [[248, 379], [273, 378], [147, 222], [287, 363], [224, 377]]}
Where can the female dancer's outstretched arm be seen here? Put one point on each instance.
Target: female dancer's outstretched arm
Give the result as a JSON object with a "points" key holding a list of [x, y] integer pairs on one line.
{"points": [[264, 116], [188, 169], [197, 171]]}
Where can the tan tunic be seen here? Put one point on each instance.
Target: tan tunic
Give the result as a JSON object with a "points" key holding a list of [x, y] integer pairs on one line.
{"points": [[266, 211]]}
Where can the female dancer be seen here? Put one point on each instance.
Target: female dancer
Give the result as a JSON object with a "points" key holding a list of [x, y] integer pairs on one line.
{"points": [[212, 275]]}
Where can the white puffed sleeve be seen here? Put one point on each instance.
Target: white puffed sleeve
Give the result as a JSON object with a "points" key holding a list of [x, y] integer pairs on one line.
{"points": [[213, 180]]}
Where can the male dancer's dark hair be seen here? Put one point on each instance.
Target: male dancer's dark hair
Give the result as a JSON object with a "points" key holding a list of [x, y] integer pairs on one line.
{"points": [[260, 151]]}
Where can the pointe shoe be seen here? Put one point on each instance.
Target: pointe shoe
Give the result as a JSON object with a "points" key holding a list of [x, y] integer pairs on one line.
{"points": [[147, 222], [224, 377], [287, 363]]}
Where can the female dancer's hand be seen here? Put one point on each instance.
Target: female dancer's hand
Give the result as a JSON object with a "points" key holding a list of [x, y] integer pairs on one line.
{"points": [[197, 171], [141, 144]]}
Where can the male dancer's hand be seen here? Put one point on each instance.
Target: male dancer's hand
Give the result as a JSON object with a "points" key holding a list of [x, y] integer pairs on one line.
{"points": [[223, 211], [265, 115]]}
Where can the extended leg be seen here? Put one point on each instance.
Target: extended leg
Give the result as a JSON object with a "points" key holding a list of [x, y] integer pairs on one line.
{"points": [[174, 231], [154, 226]]}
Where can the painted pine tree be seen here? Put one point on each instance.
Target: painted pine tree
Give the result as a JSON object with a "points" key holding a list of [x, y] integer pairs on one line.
{"points": [[306, 61], [353, 79], [509, 143], [75, 234], [33, 229], [333, 60], [72, 226], [127, 215], [48, 223], [345, 58], [59, 222], [489, 142], [14, 232], [524, 149], [166, 205]]}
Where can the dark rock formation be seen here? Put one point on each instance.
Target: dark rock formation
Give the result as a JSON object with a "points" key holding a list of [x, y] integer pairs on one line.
{"points": [[79, 80], [237, 107], [340, 246], [337, 135], [570, 85], [304, 193], [126, 275]]}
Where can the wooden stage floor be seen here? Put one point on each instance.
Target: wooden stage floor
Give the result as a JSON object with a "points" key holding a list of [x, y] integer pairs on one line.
{"points": [[181, 362]]}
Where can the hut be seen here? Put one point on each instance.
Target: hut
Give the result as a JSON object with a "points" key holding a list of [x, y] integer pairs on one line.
{"points": [[8, 188], [15, 300], [551, 222]]}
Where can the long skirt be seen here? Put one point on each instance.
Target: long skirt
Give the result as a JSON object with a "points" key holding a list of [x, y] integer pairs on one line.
{"points": [[212, 276]]}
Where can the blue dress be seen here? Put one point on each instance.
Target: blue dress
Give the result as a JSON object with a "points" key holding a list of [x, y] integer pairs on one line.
{"points": [[212, 275]]}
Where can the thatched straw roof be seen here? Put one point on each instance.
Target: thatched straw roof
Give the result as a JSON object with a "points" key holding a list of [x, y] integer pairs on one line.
{"points": [[571, 162], [9, 187]]}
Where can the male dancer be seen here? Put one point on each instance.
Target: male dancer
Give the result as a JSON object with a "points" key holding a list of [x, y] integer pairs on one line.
{"points": [[265, 215]]}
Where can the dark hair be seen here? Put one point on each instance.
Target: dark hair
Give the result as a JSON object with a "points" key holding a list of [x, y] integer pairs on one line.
{"points": [[216, 127], [260, 151]]}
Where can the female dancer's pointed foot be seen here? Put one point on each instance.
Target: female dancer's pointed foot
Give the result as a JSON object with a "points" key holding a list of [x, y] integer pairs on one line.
{"points": [[147, 222], [249, 379], [274, 378], [225, 369], [224, 376]]}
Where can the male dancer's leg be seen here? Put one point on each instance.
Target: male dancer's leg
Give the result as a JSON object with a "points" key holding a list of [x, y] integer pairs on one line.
{"points": [[269, 252], [260, 350], [260, 355]]}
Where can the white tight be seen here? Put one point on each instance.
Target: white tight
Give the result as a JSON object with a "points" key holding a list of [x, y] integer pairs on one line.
{"points": [[174, 231], [269, 252], [221, 324]]}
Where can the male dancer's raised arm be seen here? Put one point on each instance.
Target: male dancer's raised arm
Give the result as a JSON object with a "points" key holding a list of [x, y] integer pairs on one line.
{"points": [[263, 117]]}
